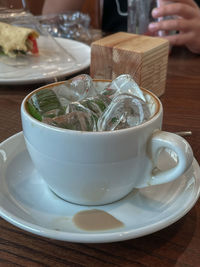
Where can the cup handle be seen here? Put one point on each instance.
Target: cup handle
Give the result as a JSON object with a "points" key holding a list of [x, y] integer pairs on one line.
{"points": [[160, 140]]}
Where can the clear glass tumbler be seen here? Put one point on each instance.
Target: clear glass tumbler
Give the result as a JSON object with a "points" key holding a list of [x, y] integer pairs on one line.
{"points": [[139, 16]]}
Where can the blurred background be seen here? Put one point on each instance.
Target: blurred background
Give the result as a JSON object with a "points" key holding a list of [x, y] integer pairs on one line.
{"points": [[91, 7]]}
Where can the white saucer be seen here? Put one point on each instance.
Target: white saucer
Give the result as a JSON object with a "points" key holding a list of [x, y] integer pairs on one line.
{"points": [[27, 202]]}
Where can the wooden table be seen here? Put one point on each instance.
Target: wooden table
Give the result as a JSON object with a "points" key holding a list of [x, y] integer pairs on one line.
{"points": [[176, 245]]}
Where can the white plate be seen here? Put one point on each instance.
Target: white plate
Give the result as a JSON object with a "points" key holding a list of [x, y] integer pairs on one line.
{"points": [[27, 202], [42, 71]]}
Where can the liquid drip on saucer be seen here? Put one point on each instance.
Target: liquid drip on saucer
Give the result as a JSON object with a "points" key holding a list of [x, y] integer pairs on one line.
{"points": [[94, 220]]}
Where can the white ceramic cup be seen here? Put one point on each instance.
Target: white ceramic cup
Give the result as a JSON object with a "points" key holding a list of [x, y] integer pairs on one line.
{"points": [[95, 168]]}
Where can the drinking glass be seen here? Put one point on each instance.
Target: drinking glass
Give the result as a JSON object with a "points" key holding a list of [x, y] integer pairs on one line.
{"points": [[139, 16]]}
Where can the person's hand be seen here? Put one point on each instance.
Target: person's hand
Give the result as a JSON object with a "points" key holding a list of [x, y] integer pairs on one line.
{"points": [[186, 23]]}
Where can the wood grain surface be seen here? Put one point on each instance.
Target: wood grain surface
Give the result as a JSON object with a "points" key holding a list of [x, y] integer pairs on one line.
{"points": [[143, 57], [176, 245]]}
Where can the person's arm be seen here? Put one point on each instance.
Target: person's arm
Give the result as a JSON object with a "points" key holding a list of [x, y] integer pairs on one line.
{"points": [[61, 6], [186, 23]]}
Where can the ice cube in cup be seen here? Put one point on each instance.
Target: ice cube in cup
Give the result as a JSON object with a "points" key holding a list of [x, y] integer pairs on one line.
{"points": [[76, 120], [44, 103], [75, 89], [124, 84], [125, 111]]}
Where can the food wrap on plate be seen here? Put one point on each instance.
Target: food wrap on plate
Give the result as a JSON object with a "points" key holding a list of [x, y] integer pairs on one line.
{"points": [[17, 40], [28, 50]]}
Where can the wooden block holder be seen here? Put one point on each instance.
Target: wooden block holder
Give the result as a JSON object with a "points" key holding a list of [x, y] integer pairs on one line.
{"points": [[143, 57]]}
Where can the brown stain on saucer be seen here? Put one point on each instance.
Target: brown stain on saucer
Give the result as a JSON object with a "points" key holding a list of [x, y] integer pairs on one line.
{"points": [[94, 220]]}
